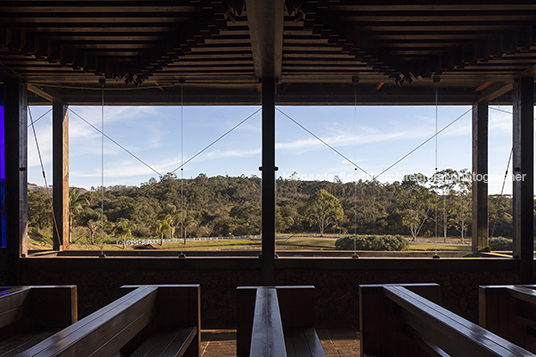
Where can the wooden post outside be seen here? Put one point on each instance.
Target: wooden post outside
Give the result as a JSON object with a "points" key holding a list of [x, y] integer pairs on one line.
{"points": [[480, 177], [523, 175], [16, 183], [60, 174]]}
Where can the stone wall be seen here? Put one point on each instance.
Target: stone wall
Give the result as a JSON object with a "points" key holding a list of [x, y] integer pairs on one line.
{"points": [[337, 291]]}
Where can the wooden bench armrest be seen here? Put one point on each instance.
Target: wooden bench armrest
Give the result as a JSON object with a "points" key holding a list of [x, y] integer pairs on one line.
{"points": [[450, 332], [47, 305], [267, 337], [114, 324], [523, 293], [274, 317]]}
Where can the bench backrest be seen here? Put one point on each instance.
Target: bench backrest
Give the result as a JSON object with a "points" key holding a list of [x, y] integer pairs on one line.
{"points": [[124, 322], [510, 312], [38, 306], [416, 326]]}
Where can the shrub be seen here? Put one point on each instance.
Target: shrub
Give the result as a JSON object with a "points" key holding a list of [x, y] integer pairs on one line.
{"points": [[500, 243], [387, 242]]}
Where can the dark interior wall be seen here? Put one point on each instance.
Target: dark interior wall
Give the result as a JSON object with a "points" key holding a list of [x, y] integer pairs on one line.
{"points": [[98, 288], [337, 290]]}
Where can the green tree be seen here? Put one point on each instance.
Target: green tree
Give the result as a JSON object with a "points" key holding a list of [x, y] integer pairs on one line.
{"points": [[39, 211], [414, 199], [160, 226], [444, 183], [323, 209], [172, 216], [122, 229], [77, 203], [92, 219], [462, 203]]}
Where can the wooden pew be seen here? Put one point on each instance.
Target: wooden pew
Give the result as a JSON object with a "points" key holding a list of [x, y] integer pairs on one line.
{"points": [[150, 320], [277, 321], [510, 312], [30, 314], [396, 321]]}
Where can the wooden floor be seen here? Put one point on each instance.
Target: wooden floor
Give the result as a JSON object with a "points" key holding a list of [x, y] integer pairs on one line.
{"points": [[337, 342]]}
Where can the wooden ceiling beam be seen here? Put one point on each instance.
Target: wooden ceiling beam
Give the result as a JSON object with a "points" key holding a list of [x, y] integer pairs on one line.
{"points": [[428, 36], [25, 7], [48, 94], [447, 27], [436, 17], [436, 7], [494, 91], [115, 19], [265, 22], [85, 28]]}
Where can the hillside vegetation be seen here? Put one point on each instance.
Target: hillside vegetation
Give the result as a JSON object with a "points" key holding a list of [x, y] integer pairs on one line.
{"points": [[230, 206]]}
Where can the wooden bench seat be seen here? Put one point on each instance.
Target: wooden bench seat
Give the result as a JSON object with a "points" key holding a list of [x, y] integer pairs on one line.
{"points": [[303, 342], [277, 321], [396, 321], [30, 314], [150, 320], [167, 342]]}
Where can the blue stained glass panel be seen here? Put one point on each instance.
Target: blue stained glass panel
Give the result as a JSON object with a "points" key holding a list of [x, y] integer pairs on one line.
{"points": [[3, 241]]}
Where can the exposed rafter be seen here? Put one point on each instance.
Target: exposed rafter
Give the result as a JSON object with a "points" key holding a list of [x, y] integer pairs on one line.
{"points": [[67, 45], [265, 22]]}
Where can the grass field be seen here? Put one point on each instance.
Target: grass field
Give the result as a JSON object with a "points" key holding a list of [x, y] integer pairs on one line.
{"points": [[302, 241]]}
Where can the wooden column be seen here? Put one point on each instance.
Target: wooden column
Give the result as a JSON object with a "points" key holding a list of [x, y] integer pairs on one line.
{"points": [[60, 174], [523, 175], [16, 184], [480, 177], [265, 22], [268, 181]]}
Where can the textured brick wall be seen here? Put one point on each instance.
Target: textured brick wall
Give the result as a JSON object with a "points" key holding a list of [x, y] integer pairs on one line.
{"points": [[337, 291]]}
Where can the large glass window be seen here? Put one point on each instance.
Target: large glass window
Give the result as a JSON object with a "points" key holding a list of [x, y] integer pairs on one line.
{"points": [[186, 179]]}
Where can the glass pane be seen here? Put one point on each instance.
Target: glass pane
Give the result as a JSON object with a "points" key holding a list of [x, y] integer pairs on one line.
{"points": [[3, 242]]}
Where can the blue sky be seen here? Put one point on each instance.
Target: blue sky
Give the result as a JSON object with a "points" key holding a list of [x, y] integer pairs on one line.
{"points": [[373, 137]]}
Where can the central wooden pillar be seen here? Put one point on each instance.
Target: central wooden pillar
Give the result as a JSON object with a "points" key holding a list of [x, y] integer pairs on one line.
{"points": [[60, 174], [480, 177], [266, 22], [16, 182], [523, 175], [268, 181]]}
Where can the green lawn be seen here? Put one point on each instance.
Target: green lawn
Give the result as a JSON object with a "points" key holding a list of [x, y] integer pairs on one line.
{"points": [[283, 241], [432, 246]]}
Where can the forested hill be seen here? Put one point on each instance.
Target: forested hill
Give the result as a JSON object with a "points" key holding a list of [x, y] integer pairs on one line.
{"points": [[223, 205]]}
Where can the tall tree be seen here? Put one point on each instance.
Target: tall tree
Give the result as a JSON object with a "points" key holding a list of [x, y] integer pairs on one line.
{"points": [[92, 219], [414, 199], [323, 209], [77, 203], [39, 210], [444, 183], [160, 226], [462, 203], [172, 216], [122, 229]]}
